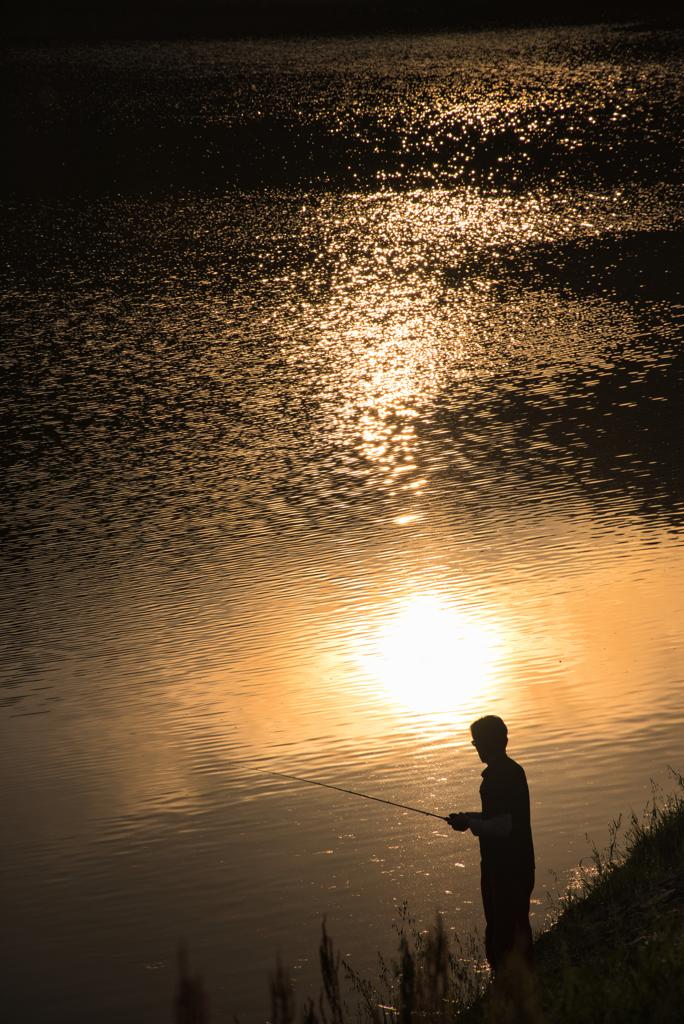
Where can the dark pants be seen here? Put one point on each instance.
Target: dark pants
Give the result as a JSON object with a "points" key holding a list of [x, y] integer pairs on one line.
{"points": [[506, 901]]}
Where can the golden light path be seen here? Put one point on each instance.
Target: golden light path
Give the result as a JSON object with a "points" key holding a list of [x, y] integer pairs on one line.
{"points": [[431, 657]]}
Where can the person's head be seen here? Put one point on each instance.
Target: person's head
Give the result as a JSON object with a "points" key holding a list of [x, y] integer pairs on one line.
{"points": [[490, 737]]}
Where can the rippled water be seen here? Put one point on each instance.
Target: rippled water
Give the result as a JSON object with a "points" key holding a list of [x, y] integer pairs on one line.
{"points": [[341, 402]]}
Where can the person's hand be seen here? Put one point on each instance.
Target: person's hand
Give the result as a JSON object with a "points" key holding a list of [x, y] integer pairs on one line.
{"points": [[459, 822]]}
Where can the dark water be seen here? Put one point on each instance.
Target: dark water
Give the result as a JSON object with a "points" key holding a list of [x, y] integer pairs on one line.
{"points": [[341, 392]]}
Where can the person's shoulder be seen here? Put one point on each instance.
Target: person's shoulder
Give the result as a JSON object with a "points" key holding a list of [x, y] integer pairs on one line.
{"points": [[504, 768], [513, 768], [513, 764]]}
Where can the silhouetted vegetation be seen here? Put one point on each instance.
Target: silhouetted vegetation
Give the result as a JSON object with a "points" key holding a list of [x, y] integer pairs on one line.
{"points": [[615, 953]]}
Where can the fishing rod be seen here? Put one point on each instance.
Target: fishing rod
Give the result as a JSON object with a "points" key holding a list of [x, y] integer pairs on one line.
{"points": [[326, 785]]}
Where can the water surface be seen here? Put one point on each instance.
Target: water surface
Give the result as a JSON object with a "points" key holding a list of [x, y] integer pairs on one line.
{"points": [[341, 403]]}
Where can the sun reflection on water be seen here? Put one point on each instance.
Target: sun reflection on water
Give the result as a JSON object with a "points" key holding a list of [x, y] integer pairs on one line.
{"points": [[431, 657]]}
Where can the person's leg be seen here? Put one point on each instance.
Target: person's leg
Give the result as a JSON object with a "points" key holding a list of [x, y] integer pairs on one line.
{"points": [[487, 890], [511, 915], [523, 890]]}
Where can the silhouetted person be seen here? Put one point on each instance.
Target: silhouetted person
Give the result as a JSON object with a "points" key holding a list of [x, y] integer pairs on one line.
{"points": [[503, 828]]}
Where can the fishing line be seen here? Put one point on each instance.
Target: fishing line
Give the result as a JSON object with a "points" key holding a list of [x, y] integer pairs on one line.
{"points": [[326, 785]]}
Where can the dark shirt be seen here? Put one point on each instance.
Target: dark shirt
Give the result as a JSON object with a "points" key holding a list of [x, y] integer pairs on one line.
{"points": [[504, 791]]}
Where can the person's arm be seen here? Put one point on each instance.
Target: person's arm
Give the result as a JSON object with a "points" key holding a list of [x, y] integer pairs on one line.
{"points": [[492, 828], [458, 821]]}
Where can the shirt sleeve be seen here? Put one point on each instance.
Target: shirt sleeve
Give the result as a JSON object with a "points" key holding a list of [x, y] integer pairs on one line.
{"points": [[494, 828]]}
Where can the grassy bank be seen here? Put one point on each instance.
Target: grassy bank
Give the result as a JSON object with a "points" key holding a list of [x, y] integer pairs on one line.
{"points": [[614, 954]]}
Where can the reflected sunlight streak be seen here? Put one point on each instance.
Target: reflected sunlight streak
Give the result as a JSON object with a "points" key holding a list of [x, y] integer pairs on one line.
{"points": [[429, 657]]}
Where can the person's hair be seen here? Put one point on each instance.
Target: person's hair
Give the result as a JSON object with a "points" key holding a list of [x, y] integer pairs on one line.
{"points": [[490, 731]]}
